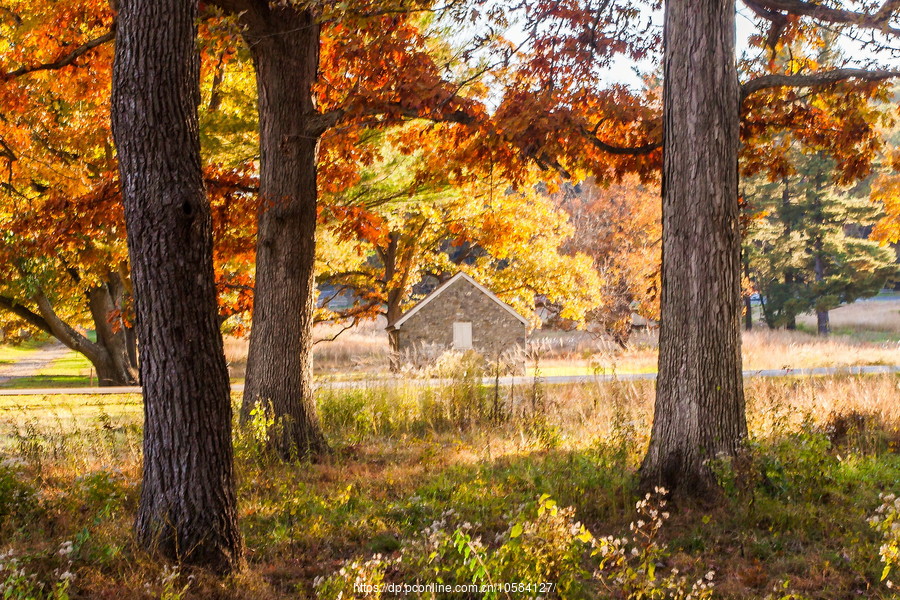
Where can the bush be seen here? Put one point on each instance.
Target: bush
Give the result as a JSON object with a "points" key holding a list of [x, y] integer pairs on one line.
{"points": [[17, 498], [550, 555], [886, 521]]}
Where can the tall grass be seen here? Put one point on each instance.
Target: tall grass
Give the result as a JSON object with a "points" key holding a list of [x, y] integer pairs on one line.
{"points": [[467, 482], [364, 352], [363, 348]]}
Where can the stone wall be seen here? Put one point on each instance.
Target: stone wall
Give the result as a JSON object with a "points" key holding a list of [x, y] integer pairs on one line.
{"points": [[494, 329]]}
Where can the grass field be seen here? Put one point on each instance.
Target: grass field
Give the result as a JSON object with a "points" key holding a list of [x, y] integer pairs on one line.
{"points": [[11, 353], [471, 485], [465, 484], [866, 333], [72, 370]]}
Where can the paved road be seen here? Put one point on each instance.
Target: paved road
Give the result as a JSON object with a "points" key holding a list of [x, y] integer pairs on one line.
{"points": [[504, 381], [33, 363]]}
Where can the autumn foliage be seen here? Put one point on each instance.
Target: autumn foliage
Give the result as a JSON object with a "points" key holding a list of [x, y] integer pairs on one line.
{"points": [[488, 118]]}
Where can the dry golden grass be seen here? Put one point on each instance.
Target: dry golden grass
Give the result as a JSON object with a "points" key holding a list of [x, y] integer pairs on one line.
{"points": [[779, 405], [872, 315], [775, 405], [768, 349], [866, 333], [762, 349], [360, 349], [390, 480]]}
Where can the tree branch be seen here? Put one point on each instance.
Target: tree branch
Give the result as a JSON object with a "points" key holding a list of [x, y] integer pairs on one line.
{"points": [[778, 20], [343, 329], [879, 20], [64, 332], [317, 124], [619, 150], [66, 59], [814, 79], [23, 312], [6, 151]]}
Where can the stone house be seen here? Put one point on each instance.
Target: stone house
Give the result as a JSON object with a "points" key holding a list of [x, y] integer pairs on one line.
{"points": [[460, 314]]}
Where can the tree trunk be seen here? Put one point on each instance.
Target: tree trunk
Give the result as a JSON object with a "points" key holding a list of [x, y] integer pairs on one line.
{"points": [[823, 326], [700, 399], [790, 318], [748, 300], [393, 313], [790, 321], [114, 366], [768, 317], [187, 508], [748, 313], [822, 322], [394, 289], [106, 354], [131, 346], [284, 42]]}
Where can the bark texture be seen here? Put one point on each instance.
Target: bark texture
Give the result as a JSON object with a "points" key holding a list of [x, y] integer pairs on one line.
{"points": [[114, 362], [700, 400], [187, 508], [284, 42]]}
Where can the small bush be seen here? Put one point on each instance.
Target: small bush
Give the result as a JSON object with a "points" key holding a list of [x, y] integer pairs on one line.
{"points": [[550, 555], [18, 499], [886, 521]]}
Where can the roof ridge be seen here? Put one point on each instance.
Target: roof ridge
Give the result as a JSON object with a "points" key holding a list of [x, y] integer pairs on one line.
{"points": [[441, 288]]}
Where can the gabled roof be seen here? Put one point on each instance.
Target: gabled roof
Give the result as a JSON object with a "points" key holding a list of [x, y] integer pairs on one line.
{"points": [[440, 289]]}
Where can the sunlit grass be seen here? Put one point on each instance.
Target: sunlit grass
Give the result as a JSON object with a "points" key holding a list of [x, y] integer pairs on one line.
{"points": [[70, 370], [864, 334], [792, 517], [73, 364], [10, 353]]}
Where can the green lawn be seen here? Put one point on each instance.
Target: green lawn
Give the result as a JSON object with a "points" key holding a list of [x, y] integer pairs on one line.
{"points": [[71, 370], [12, 353], [72, 364]]}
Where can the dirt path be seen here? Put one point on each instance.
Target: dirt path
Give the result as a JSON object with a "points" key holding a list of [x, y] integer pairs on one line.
{"points": [[33, 363]]}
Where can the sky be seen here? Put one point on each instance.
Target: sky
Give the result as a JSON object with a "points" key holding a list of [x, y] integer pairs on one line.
{"points": [[628, 72], [624, 69]]}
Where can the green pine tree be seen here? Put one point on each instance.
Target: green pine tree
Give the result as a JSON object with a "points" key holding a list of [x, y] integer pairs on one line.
{"points": [[809, 250]]}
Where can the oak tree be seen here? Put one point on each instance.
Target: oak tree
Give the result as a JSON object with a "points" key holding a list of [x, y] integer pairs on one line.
{"points": [[619, 226], [187, 509], [405, 225], [63, 257], [700, 403]]}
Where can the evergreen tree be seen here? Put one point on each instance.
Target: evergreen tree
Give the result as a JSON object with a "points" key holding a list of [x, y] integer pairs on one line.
{"points": [[805, 252]]}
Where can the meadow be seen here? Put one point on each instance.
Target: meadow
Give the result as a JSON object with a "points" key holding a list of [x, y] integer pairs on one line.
{"points": [[522, 491], [504, 489]]}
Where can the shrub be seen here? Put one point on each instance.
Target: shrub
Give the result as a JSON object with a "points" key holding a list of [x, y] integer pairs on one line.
{"points": [[550, 555], [886, 521], [17, 498]]}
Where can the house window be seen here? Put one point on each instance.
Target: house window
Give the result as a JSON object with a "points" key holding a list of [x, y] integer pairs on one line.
{"points": [[462, 336]]}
